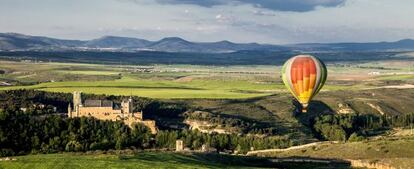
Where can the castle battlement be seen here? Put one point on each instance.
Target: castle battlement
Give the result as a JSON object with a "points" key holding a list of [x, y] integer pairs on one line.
{"points": [[104, 110]]}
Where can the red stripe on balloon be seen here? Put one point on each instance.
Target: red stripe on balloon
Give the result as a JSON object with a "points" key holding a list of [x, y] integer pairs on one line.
{"points": [[306, 68], [312, 67]]}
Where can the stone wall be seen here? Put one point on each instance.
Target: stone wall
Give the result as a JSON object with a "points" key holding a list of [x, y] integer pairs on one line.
{"points": [[108, 113], [103, 113], [151, 125]]}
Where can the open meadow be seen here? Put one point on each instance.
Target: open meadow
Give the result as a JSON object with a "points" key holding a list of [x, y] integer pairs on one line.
{"points": [[397, 152], [191, 81], [165, 160]]}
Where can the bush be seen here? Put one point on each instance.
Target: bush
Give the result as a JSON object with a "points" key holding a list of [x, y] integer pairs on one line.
{"points": [[331, 132], [6, 152], [73, 146], [355, 137]]}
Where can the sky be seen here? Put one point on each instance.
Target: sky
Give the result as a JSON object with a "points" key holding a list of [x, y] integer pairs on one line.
{"points": [[262, 21]]}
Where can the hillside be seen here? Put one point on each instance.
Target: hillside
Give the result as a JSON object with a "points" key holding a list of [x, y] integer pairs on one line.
{"points": [[20, 42], [397, 153]]}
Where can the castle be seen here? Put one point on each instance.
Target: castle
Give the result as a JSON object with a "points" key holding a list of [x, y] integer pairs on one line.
{"points": [[106, 110]]}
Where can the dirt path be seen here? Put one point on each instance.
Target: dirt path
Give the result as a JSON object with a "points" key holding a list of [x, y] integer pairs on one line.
{"points": [[405, 86], [291, 148]]}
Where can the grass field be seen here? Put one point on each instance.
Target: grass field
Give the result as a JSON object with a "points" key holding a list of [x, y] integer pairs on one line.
{"points": [[398, 151], [396, 77], [161, 88], [165, 160], [143, 160], [185, 81]]}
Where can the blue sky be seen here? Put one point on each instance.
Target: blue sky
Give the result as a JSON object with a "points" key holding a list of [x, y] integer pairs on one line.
{"points": [[263, 21]]}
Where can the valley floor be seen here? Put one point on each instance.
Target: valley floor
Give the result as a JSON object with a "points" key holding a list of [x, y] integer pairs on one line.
{"points": [[397, 152], [151, 160]]}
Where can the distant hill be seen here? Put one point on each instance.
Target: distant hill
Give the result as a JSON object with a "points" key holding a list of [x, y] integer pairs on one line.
{"points": [[117, 42], [175, 44], [13, 41], [406, 44], [20, 42]]}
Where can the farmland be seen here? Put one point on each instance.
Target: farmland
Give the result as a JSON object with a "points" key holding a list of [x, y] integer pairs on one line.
{"points": [[189, 81], [167, 82], [151, 160]]}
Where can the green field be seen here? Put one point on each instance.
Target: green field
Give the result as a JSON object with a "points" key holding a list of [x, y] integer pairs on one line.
{"points": [[396, 77], [161, 88], [143, 160], [163, 81], [165, 160], [399, 152]]}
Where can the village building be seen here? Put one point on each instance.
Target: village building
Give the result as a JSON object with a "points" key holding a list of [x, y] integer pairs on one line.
{"points": [[106, 110]]}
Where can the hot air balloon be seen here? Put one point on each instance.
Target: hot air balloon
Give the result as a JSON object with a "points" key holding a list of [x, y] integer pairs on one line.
{"points": [[304, 76]]}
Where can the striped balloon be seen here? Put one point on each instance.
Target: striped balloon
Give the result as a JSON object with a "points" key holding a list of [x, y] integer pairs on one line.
{"points": [[304, 76]]}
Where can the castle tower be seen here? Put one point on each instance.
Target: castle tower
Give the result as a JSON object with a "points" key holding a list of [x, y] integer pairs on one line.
{"points": [[77, 99], [69, 111], [127, 106], [77, 102]]}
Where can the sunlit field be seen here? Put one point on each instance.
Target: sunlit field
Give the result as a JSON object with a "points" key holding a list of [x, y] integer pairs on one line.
{"points": [[165, 160], [189, 81]]}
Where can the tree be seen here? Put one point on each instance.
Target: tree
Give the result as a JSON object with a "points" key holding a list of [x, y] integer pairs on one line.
{"points": [[355, 137], [73, 146]]}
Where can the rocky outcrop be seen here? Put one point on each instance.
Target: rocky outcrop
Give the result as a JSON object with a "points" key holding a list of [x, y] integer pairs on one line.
{"points": [[344, 108], [370, 164], [377, 108], [206, 127]]}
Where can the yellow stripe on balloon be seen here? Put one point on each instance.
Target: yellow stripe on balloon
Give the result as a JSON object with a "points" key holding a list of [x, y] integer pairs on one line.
{"points": [[300, 86], [305, 84], [312, 80]]}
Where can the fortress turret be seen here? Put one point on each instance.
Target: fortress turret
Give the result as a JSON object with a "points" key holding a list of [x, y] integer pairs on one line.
{"points": [[127, 106]]}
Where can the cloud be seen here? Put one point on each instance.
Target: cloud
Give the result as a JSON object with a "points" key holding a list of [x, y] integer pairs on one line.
{"points": [[205, 3], [276, 5], [200, 20]]}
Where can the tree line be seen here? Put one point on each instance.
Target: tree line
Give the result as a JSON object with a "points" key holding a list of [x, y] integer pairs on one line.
{"points": [[22, 133], [354, 127], [194, 139]]}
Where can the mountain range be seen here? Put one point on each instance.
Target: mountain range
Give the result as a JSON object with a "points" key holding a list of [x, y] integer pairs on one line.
{"points": [[20, 42]]}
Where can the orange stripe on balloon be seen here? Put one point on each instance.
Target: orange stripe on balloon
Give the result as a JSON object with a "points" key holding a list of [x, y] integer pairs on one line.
{"points": [[299, 76], [305, 75], [293, 74]]}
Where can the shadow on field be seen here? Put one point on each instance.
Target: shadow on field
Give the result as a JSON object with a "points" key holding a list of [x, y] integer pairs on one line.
{"points": [[220, 161], [315, 109]]}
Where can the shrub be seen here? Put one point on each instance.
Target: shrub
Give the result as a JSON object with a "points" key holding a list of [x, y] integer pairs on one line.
{"points": [[355, 137]]}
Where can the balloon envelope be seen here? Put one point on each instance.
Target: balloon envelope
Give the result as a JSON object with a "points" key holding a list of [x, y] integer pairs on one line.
{"points": [[304, 76]]}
